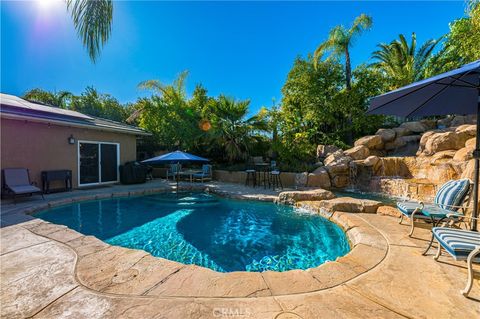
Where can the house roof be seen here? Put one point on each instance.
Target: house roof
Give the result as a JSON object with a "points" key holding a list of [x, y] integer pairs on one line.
{"points": [[15, 107]]}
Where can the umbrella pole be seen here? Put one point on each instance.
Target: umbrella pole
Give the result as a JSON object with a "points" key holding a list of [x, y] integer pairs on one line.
{"points": [[476, 155], [177, 173]]}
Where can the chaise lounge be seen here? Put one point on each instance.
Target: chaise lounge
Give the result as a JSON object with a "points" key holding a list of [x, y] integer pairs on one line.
{"points": [[461, 244], [450, 198], [16, 181]]}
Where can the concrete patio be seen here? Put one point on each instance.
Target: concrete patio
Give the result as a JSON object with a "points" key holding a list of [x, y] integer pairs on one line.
{"points": [[50, 271]]}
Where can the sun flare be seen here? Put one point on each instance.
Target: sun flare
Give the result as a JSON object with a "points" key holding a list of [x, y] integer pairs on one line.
{"points": [[46, 5]]}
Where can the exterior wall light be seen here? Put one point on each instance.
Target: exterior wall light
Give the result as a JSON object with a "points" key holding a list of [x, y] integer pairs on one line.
{"points": [[71, 140]]}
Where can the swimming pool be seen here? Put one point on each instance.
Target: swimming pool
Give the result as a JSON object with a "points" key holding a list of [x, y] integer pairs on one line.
{"points": [[210, 231]]}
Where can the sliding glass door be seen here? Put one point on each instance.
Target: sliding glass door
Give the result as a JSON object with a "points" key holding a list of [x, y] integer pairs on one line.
{"points": [[97, 162]]}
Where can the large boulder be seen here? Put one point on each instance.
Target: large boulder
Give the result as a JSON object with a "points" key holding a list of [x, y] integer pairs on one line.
{"points": [[466, 131], [444, 141], [387, 135], [291, 197], [423, 141], [429, 124], [340, 181], [374, 162], [325, 150], [371, 161], [395, 144], [371, 142], [401, 131], [471, 143], [414, 127], [442, 157], [358, 152], [458, 120], [463, 154], [319, 178], [469, 170], [411, 138], [351, 205], [337, 158], [340, 169]]}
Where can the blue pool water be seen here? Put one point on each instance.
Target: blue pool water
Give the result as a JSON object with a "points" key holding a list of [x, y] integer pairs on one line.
{"points": [[197, 228]]}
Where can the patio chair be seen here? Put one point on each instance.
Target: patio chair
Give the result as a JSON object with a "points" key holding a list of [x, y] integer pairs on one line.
{"points": [[206, 173], [461, 244], [450, 198], [16, 181], [174, 170]]}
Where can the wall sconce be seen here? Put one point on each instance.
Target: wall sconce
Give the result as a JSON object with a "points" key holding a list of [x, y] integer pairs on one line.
{"points": [[71, 140]]}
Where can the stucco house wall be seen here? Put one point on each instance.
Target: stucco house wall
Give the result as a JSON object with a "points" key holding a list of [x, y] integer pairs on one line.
{"points": [[44, 146]]}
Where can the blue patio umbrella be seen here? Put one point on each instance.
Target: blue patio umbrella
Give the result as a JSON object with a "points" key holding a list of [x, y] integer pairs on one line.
{"points": [[453, 92], [176, 157]]}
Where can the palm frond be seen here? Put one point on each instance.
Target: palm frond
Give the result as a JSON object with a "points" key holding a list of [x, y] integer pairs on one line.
{"points": [[362, 23], [93, 21]]}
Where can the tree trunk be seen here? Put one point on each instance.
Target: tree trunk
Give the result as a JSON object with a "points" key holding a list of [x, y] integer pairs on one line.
{"points": [[348, 78], [348, 70]]}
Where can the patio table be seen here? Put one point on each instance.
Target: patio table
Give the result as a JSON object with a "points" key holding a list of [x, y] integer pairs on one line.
{"points": [[189, 173]]}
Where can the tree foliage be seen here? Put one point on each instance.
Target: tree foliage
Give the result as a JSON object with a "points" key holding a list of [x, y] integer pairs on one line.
{"points": [[216, 127], [339, 42], [57, 99], [317, 110], [402, 62], [90, 102]]}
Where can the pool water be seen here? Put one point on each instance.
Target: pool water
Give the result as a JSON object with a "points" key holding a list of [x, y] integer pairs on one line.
{"points": [[198, 228]]}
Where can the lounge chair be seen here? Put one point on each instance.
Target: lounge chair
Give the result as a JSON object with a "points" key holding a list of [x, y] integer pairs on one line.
{"points": [[450, 198], [461, 245], [16, 181], [206, 173]]}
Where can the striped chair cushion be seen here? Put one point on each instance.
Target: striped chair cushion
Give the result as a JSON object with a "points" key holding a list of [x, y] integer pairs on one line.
{"points": [[452, 193], [457, 242], [408, 207]]}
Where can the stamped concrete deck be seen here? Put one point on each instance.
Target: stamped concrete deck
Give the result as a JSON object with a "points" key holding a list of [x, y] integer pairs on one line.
{"points": [[50, 271]]}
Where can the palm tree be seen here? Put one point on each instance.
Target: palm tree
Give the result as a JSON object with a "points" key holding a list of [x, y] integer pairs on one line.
{"points": [[402, 62], [232, 130], [93, 21], [339, 42], [175, 93], [58, 99]]}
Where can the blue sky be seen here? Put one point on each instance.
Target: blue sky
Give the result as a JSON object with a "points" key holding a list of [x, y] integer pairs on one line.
{"points": [[241, 49]]}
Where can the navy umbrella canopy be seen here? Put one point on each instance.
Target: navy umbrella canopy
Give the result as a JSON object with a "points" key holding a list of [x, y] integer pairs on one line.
{"points": [[176, 157], [453, 92]]}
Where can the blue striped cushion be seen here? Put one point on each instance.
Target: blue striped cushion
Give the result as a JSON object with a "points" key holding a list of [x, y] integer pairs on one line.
{"points": [[457, 242], [408, 207], [452, 193]]}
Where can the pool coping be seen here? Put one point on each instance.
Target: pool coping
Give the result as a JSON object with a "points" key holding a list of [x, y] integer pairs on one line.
{"points": [[122, 271]]}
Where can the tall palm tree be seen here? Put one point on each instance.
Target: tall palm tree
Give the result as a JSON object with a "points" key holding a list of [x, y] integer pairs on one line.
{"points": [[58, 99], [402, 62], [340, 41], [93, 21], [233, 131]]}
